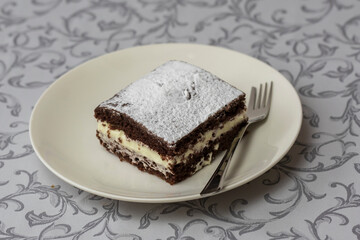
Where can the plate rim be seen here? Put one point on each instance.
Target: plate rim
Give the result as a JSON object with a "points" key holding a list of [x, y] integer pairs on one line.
{"points": [[160, 199]]}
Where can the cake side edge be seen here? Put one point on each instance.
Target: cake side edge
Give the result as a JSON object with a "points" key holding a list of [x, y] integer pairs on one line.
{"points": [[172, 173]]}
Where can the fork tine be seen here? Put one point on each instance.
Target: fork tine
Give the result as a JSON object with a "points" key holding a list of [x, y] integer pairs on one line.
{"points": [[263, 104], [259, 97], [252, 98], [270, 96]]}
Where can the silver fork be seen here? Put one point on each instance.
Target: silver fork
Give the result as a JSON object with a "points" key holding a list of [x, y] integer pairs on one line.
{"points": [[258, 109]]}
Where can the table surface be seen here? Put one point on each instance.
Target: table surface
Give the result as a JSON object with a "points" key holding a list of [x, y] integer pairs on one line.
{"points": [[313, 193]]}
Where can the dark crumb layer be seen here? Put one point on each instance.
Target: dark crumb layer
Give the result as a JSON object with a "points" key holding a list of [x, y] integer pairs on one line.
{"points": [[182, 170], [138, 132]]}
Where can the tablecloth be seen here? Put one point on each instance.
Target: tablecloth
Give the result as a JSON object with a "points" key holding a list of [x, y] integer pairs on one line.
{"points": [[312, 193]]}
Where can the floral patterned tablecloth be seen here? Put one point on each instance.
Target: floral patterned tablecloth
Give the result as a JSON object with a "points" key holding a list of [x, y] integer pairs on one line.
{"points": [[313, 193]]}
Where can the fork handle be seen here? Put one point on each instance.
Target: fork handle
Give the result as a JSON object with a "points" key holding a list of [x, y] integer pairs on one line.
{"points": [[216, 182]]}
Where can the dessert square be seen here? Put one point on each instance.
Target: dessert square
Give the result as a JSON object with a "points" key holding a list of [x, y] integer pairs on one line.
{"points": [[171, 122]]}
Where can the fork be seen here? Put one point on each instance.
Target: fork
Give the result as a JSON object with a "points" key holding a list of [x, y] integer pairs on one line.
{"points": [[258, 109]]}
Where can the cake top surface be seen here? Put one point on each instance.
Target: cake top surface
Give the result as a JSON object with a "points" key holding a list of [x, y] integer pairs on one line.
{"points": [[173, 100]]}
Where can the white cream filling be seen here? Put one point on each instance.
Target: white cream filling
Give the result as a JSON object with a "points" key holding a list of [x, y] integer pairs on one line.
{"points": [[142, 149]]}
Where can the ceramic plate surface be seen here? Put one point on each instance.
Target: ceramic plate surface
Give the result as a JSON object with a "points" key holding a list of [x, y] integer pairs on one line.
{"points": [[62, 125]]}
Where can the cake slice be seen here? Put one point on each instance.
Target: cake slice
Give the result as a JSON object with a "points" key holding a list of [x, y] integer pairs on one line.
{"points": [[171, 122]]}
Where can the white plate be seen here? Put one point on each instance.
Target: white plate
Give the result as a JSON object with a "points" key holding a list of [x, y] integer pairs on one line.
{"points": [[62, 126]]}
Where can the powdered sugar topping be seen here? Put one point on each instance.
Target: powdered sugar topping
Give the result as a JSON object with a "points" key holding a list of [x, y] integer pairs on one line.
{"points": [[174, 99]]}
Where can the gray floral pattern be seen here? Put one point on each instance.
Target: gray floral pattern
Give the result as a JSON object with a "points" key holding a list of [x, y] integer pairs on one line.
{"points": [[313, 193]]}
